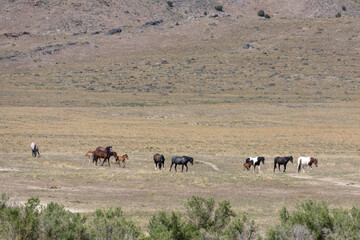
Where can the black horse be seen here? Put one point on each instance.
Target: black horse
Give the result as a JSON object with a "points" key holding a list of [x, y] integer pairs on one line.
{"points": [[159, 159], [282, 161], [181, 160]]}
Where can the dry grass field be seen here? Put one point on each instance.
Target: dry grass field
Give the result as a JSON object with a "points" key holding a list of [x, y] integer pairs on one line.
{"points": [[190, 90]]}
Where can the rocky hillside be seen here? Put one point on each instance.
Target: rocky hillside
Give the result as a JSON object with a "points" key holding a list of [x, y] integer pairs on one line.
{"points": [[78, 16]]}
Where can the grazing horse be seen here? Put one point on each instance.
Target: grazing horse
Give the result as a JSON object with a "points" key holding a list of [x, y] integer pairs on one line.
{"points": [[181, 160], [306, 161], [282, 161], [99, 153], [159, 159], [121, 159], [35, 149], [256, 161], [247, 166]]}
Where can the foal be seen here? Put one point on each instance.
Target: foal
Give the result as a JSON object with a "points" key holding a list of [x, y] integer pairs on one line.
{"points": [[121, 159], [247, 166]]}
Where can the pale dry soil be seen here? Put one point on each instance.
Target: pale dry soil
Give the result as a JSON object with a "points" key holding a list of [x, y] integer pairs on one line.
{"points": [[218, 136]]}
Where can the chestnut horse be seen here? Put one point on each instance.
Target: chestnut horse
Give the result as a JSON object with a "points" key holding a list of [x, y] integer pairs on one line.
{"points": [[306, 161], [247, 166], [121, 159]]}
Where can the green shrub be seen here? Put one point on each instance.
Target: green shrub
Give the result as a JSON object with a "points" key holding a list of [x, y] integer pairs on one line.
{"points": [[162, 226], [267, 16], [261, 13], [343, 8], [58, 223], [20, 222], [338, 15], [111, 224], [219, 8]]}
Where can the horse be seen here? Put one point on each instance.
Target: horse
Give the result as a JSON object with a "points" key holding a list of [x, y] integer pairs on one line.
{"points": [[99, 153], [159, 159], [181, 160], [256, 161], [89, 154], [121, 159], [35, 149], [303, 161], [282, 161], [247, 166]]}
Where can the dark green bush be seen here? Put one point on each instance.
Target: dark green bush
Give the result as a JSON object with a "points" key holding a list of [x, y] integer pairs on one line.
{"points": [[111, 224], [219, 8], [58, 223], [267, 16], [338, 15], [312, 220], [162, 226], [261, 13], [343, 8], [20, 222]]}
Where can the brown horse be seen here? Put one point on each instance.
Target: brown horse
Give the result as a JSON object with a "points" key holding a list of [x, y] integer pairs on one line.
{"points": [[247, 166], [121, 160], [99, 153]]}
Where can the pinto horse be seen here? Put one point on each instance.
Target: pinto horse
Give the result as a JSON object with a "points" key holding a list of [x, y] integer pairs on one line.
{"points": [[35, 149], [181, 160], [159, 159], [306, 161], [121, 159], [282, 161], [100, 153], [256, 161]]}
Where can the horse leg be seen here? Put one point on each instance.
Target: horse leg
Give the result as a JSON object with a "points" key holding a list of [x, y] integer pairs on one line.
{"points": [[175, 167], [155, 164], [186, 167], [38, 152], [171, 166], [259, 169], [275, 166], [182, 167], [284, 167]]}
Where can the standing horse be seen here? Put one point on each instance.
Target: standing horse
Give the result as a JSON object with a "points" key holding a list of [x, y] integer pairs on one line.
{"points": [[34, 149], [306, 161], [121, 159], [282, 161], [256, 161], [99, 153], [181, 160], [159, 159]]}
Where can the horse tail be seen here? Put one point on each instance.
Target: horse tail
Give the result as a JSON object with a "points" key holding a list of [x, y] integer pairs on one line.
{"points": [[299, 165]]}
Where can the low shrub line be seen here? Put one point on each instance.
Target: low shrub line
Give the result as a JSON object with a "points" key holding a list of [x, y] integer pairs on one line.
{"points": [[204, 219]]}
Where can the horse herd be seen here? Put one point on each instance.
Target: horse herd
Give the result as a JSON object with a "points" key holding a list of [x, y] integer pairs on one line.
{"points": [[302, 162], [159, 160]]}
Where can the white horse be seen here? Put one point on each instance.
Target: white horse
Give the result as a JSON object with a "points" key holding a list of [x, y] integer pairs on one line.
{"points": [[306, 161], [34, 149]]}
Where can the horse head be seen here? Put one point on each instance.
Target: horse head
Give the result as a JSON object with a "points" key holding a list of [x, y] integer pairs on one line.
{"points": [[261, 159], [315, 161], [189, 159], [291, 159]]}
